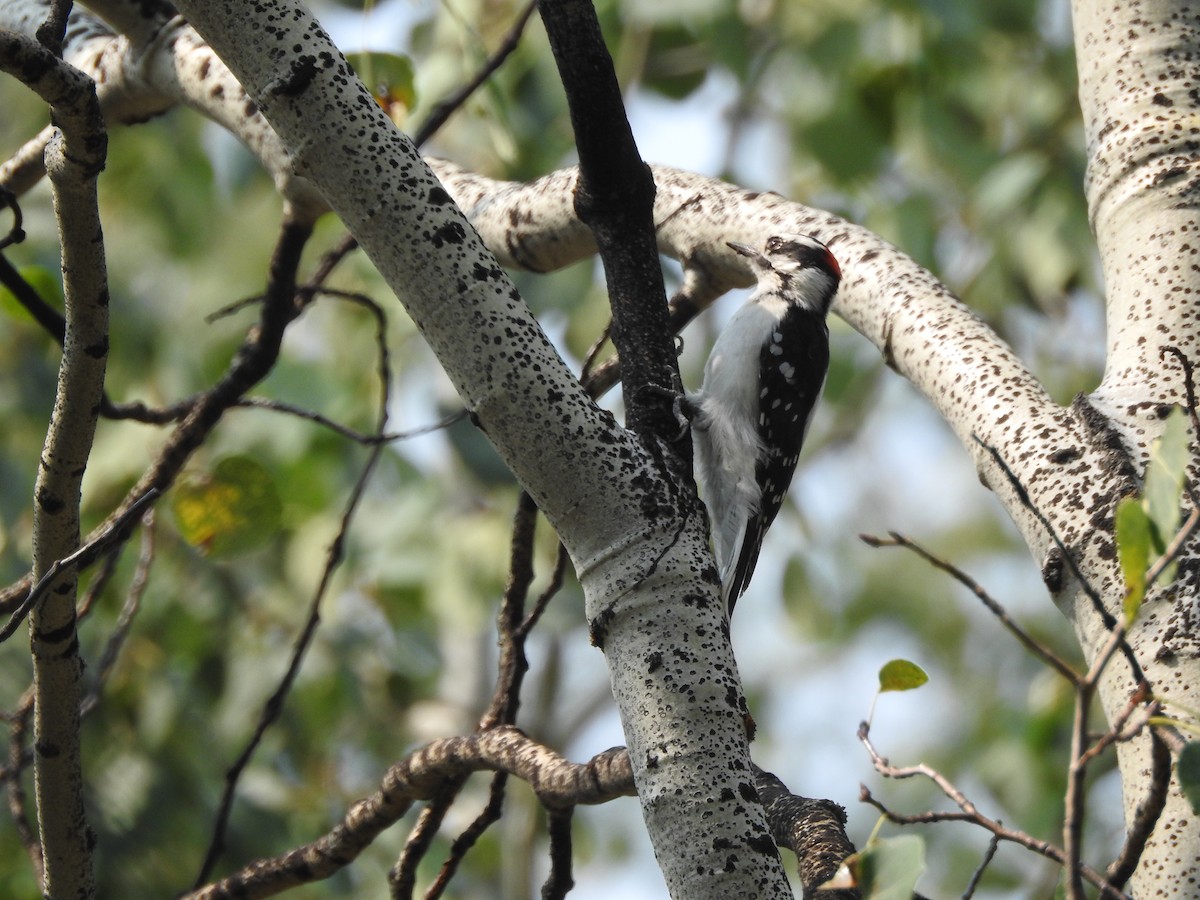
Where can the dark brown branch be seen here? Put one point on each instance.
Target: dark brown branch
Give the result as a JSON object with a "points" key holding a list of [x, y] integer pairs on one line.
{"points": [[51, 32], [1147, 814], [614, 196], [814, 830], [560, 880], [16, 234], [53, 323], [695, 295], [513, 664], [117, 532], [977, 875], [49, 318]]}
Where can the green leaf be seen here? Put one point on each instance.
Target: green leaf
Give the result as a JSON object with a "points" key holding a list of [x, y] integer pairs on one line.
{"points": [[1187, 770], [229, 511], [901, 675], [887, 869], [1133, 550]]}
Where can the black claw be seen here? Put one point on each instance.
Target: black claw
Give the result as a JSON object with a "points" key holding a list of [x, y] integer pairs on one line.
{"points": [[682, 408]]}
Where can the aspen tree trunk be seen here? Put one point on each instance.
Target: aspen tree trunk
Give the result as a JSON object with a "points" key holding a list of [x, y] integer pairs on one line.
{"points": [[638, 542]]}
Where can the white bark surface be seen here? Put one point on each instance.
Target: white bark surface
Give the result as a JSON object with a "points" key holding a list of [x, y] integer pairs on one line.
{"points": [[1139, 68]]}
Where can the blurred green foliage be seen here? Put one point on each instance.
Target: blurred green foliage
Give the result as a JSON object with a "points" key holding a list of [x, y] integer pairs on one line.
{"points": [[952, 129]]}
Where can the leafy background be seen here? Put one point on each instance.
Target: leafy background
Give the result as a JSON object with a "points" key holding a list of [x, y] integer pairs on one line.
{"points": [[951, 129]]}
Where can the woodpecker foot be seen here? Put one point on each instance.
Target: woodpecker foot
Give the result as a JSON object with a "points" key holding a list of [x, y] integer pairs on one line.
{"points": [[682, 407]]}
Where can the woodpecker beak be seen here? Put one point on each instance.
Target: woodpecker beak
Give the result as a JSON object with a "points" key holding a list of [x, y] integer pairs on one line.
{"points": [[757, 260]]}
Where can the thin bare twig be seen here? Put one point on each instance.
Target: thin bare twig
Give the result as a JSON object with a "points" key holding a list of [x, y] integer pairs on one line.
{"points": [[969, 813], [115, 532], [1173, 549], [1075, 800], [20, 755], [283, 281], [133, 602], [1110, 622], [1032, 644], [977, 875], [1120, 729], [1147, 814], [367, 440], [445, 108], [1189, 384], [438, 117], [470, 835]]}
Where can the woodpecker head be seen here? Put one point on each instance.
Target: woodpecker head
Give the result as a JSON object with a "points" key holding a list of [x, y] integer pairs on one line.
{"points": [[797, 267]]}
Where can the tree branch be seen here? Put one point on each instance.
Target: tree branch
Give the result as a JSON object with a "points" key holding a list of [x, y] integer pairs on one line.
{"points": [[614, 197], [74, 159], [559, 785], [814, 830]]}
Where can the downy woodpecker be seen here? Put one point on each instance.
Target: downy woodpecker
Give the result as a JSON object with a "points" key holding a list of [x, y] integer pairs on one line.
{"points": [[761, 385]]}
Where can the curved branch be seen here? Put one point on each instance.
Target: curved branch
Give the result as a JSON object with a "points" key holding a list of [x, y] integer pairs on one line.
{"points": [[559, 785], [157, 62], [922, 330], [814, 830]]}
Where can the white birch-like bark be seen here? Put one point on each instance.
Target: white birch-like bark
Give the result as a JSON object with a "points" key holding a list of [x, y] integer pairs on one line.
{"points": [[1139, 68], [638, 544], [155, 63], [1137, 65], [75, 156]]}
